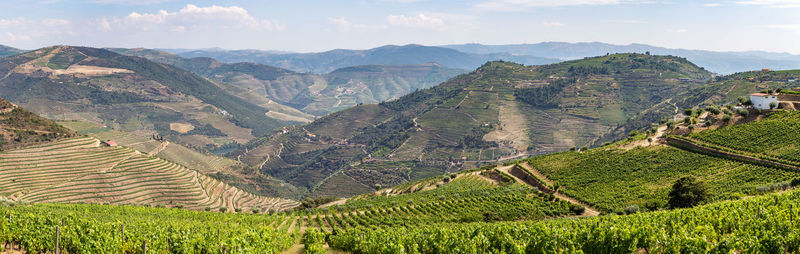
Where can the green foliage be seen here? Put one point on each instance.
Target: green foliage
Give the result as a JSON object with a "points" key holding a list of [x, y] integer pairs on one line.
{"points": [[758, 225], [688, 192], [314, 241], [544, 96], [776, 135], [611, 178], [98, 229]]}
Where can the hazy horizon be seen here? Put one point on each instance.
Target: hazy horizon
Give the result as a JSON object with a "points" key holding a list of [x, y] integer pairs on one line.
{"points": [[315, 26]]}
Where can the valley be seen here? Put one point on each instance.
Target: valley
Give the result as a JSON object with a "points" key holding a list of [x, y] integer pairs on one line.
{"points": [[518, 155]]}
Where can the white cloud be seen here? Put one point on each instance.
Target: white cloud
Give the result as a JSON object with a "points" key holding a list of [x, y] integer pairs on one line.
{"points": [[432, 21], [127, 2], [17, 37], [712, 5], [344, 25], [519, 5], [416, 21], [677, 30], [193, 17], [553, 24], [6, 23], [55, 23], [786, 27], [772, 3]]}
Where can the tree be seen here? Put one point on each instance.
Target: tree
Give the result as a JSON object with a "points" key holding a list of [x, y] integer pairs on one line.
{"points": [[688, 192], [773, 105]]}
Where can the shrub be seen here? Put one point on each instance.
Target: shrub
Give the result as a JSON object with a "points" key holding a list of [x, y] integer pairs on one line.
{"points": [[223, 209], [653, 205], [688, 192], [687, 112], [742, 112], [726, 118], [631, 209], [577, 209], [238, 210]]}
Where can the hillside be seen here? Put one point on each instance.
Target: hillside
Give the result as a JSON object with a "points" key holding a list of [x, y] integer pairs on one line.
{"points": [[718, 62], [297, 96], [498, 112], [564, 201], [325, 62], [221, 168], [130, 94], [81, 170], [19, 127], [8, 51]]}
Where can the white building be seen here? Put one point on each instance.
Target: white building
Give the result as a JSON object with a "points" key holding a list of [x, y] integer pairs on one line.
{"points": [[763, 100]]}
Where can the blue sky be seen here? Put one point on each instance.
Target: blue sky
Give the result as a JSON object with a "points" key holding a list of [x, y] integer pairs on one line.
{"points": [[305, 26]]}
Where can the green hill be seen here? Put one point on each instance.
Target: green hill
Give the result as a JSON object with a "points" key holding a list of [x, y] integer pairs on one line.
{"points": [[498, 112], [19, 127], [130, 94]]}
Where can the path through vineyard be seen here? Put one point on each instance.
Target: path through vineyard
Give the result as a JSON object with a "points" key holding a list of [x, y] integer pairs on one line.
{"points": [[589, 210]]}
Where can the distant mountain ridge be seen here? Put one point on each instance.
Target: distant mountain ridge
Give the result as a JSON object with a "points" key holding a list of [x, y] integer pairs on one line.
{"points": [[291, 95], [325, 62], [9, 51], [719, 62]]}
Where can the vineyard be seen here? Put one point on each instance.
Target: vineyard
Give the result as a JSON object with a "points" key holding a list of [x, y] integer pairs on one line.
{"points": [[778, 135], [611, 179], [468, 198], [130, 229], [763, 224], [79, 170]]}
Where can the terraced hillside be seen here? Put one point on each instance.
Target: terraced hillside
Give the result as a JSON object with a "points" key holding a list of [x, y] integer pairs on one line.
{"points": [[499, 112], [81, 170], [130, 94], [294, 96], [222, 168]]}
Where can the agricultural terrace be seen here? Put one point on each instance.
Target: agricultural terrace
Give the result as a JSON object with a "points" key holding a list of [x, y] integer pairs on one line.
{"points": [[79, 170]]}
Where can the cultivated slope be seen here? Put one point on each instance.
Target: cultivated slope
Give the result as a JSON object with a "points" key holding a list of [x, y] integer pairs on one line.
{"points": [[500, 111], [131, 94], [80, 170]]}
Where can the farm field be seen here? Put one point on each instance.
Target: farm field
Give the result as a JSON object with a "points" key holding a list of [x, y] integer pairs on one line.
{"points": [[612, 178], [80, 170], [763, 224], [777, 135]]}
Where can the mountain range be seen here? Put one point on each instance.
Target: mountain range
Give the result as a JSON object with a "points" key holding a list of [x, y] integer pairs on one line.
{"points": [[328, 61], [471, 56], [295, 96]]}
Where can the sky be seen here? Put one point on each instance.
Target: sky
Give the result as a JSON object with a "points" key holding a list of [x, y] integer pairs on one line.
{"points": [[313, 26]]}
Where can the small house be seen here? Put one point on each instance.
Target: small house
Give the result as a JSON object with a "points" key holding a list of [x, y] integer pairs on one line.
{"points": [[109, 143], [763, 100]]}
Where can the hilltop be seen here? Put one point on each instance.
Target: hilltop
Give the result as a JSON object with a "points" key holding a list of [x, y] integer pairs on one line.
{"points": [[714, 61], [130, 94], [290, 95], [497, 112]]}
